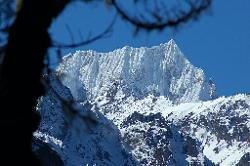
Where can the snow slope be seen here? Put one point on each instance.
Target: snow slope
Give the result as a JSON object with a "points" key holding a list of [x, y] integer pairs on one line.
{"points": [[141, 106]]}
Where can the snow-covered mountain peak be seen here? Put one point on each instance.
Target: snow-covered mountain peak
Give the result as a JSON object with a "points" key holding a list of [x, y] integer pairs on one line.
{"points": [[139, 107], [171, 44], [159, 70], [171, 41]]}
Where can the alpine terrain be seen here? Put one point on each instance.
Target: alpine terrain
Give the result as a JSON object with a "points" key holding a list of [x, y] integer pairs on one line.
{"points": [[139, 106]]}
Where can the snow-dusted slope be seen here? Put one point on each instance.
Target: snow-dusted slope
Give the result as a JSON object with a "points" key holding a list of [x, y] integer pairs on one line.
{"points": [[215, 132], [140, 106], [77, 134]]}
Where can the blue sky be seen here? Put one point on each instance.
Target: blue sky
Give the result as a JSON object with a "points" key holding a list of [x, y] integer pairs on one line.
{"points": [[219, 42]]}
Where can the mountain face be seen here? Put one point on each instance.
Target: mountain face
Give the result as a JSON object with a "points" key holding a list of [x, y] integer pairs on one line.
{"points": [[139, 106], [161, 71]]}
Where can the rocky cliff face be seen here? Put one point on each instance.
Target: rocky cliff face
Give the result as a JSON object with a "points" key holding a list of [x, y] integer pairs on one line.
{"points": [[141, 106]]}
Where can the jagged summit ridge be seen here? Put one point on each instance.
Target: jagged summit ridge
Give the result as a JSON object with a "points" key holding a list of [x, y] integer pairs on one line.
{"points": [[159, 70]]}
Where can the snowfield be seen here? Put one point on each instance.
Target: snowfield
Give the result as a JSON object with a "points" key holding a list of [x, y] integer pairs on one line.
{"points": [[140, 106]]}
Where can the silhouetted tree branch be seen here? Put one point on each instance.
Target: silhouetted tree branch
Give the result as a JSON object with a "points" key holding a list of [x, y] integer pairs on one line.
{"points": [[70, 107], [105, 33], [159, 18]]}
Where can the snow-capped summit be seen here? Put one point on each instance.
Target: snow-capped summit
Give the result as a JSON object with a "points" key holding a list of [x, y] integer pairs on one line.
{"points": [[159, 70], [139, 107]]}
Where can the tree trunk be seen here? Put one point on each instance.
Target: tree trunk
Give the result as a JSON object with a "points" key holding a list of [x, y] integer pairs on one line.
{"points": [[21, 78]]}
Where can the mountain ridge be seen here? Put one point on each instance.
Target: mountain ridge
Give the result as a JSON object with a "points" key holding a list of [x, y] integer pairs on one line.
{"points": [[162, 70], [137, 106]]}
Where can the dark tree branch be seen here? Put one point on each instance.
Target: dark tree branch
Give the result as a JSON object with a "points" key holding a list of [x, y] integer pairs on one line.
{"points": [[69, 105], [103, 34], [180, 16]]}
